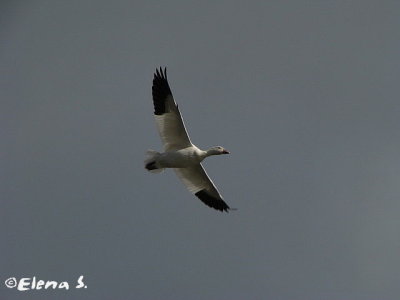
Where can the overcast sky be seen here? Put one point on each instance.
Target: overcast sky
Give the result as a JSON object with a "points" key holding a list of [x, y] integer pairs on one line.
{"points": [[305, 96]]}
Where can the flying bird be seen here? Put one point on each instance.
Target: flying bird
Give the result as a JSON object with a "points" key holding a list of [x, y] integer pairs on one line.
{"points": [[179, 152]]}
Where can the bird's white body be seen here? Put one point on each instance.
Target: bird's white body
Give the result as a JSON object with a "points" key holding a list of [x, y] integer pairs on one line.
{"points": [[181, 158]]}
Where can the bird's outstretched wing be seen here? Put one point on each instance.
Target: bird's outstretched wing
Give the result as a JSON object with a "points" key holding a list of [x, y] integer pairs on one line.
{"points": [[168, 118], [197, 182]]}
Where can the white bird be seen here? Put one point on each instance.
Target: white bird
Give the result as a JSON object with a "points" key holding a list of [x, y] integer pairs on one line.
{"points": [[180, 154]]}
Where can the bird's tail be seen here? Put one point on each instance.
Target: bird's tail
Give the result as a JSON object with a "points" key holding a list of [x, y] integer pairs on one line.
{"points": [[150, 163]]}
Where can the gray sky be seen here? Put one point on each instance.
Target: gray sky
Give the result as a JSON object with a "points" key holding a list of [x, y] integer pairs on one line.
{"points": [[304, 94]]}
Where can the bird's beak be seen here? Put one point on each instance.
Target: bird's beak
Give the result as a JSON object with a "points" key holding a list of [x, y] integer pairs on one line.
{"points": [[225, 151]]}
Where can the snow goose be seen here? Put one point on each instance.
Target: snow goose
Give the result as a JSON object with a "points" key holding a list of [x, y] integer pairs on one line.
{"points": [[180, 154]]}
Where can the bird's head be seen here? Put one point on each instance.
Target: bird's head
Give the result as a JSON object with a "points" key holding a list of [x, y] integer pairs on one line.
{"points": [[217, 150]]}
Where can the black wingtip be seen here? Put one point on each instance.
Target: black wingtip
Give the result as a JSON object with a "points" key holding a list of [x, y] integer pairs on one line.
{"points": [[160, 90], [212, 201]]}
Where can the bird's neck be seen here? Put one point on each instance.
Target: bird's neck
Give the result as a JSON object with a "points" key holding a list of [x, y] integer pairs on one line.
{"points": [[210, 152]]}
